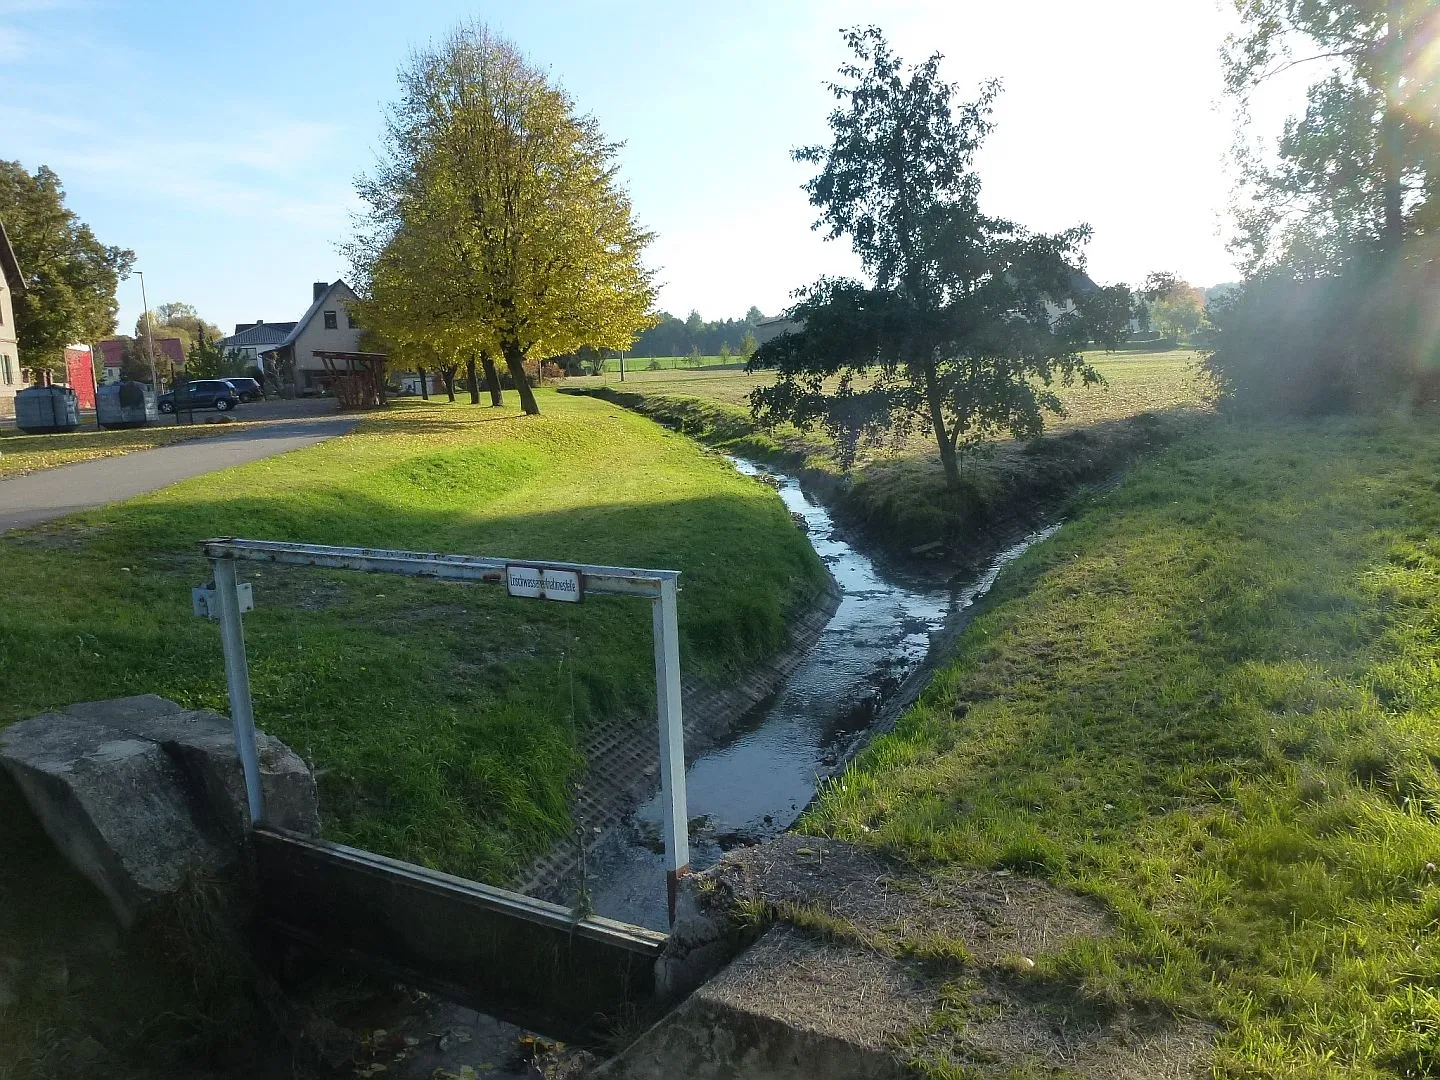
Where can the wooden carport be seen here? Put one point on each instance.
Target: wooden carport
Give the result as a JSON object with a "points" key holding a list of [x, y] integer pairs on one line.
{"points": [[358, 378]]}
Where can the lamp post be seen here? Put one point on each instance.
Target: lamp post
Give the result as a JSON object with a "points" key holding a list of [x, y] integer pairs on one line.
{"points": [[149, 335]]}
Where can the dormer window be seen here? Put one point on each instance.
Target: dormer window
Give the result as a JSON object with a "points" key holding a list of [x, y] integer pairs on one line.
{"points": [[331, 322]]}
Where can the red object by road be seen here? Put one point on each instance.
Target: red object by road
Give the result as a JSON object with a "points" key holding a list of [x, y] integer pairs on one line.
{"points": [[80, 374]]}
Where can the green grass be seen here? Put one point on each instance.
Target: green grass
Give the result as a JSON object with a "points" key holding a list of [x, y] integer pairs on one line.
{"points": [[655, 364], [1212, 700], [445, 719], [897, 494], [1135, 382], [21, 453]]}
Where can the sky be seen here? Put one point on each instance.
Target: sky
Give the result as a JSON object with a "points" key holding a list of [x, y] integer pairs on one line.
{"points": [[221, 142]]}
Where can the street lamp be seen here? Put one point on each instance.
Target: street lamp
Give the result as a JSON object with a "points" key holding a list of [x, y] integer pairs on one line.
{"points": [[149, 335]]}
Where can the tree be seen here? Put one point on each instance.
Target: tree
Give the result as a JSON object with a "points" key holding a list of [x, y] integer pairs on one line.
{"points": [[1361, 167], [71, 277], [1172, 305], [968, 320], [748, 344], [178, 320], [206, 360], [495, 221]]}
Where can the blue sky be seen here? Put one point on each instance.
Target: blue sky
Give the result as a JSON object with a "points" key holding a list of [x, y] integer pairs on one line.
{"points": [[221, 141]]}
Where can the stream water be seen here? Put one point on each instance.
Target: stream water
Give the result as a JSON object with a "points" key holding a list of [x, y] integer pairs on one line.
{"points": [[758, 783]]}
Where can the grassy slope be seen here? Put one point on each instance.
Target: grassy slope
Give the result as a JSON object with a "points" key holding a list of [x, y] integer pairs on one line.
{"points": [[445, 718], [21, 453], [898, 494], [1214, 701]]}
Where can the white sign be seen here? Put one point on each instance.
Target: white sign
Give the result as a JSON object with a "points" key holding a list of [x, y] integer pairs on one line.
{"points": [[543, 583]]}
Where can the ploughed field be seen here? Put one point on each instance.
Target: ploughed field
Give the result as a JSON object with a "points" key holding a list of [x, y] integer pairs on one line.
{"points": [[444, 719], [1213, 701]]}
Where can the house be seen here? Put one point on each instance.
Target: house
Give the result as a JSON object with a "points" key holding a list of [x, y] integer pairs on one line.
{"points": [[326, 326], [12, 283], [169, 357], [252, 339], [768, 329]]}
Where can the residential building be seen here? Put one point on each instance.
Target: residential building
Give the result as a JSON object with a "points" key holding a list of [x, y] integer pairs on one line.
{"points": [[12, 283], [169, 357], [326, 326], [252, 339]]}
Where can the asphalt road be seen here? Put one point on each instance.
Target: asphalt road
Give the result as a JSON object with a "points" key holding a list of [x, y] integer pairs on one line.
{"points": [[52, 493]]}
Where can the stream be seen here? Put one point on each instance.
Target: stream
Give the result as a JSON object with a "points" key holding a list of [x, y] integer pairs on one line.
{"points": [[757, 784]]}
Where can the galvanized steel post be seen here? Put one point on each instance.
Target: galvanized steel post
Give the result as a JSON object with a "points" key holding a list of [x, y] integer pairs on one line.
{"points": [[237, 680], [672, 739]]}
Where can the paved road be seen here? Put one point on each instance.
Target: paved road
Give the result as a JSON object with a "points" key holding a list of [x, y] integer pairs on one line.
{"points": [[52, 493]]}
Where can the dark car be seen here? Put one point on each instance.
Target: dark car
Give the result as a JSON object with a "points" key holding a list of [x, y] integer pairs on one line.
{"points": [[214, 394], [247, 389]]}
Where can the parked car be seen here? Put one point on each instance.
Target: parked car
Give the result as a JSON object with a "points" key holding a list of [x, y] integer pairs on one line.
{"points": [[214, 394], [247, 389]]}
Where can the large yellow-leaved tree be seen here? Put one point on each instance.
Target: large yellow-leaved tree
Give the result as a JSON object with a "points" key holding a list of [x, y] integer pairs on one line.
{"points": [[496, 225]]}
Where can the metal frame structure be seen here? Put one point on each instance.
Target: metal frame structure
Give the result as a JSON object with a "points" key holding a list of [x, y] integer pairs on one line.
{"points": [[657, 586]]}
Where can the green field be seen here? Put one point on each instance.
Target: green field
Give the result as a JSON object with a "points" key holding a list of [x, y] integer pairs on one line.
{"points": [[1135, 382], [445, 720], [896, 493], [1212, 700], [637, 365]]}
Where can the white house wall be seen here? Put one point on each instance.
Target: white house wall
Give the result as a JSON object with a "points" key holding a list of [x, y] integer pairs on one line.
{"points": [[344, 338], [9, 353]]}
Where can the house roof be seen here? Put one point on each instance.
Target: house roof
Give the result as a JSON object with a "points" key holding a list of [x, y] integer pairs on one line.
{"points": [[112, 350], [264, 333], [9, 265], [310, 312]]}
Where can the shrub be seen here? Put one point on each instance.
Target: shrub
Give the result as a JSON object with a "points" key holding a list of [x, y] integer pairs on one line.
{"points": [[1330, 344]]}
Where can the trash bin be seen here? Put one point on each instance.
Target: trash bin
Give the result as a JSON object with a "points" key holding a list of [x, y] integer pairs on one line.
{"points": [[125, 405], [44, 410]]}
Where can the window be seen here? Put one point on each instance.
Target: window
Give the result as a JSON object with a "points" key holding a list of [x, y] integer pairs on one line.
{"points": [[330, 323], [349, 325], [5, 369]]}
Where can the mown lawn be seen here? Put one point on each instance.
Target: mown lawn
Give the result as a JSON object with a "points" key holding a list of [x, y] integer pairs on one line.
{"points": [[1212, 700], [445, 719]]}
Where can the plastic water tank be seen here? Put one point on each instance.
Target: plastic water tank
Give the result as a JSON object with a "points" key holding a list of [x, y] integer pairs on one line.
{"points": [[43, 410], [125, 405]]}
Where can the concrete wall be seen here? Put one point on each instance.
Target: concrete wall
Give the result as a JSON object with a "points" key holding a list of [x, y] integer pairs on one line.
{"points": [[520, 959]]}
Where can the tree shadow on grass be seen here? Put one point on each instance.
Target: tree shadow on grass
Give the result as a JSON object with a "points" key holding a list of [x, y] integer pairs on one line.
{"points": [[445, 717]]}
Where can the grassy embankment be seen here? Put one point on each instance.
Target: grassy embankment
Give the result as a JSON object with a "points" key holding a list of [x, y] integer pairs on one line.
{"points": [[1212, 700], [21, 453], [445, 719], [897, 494]]}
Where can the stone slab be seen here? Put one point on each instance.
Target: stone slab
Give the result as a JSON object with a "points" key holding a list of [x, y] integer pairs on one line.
{"points": [[138, 793]]}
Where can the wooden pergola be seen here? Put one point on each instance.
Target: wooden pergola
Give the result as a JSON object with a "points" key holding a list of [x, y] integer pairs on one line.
{"points": [[358, 378]]}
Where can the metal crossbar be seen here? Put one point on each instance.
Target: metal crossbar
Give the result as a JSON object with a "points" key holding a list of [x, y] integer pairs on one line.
{"points": [[658, 586]]}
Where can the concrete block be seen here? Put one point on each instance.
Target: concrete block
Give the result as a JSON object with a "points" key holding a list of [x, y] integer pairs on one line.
{"points": [[787, 1009], [203, 744], [114, 805], [138, 793]]}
